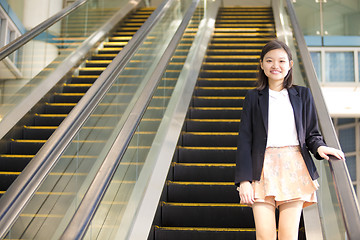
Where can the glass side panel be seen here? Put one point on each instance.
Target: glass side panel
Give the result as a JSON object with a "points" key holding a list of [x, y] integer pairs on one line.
{"points": [[29, 66], [53, 205], [117, 209]]}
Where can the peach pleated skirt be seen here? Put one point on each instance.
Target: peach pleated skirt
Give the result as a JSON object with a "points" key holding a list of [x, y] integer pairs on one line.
{"points": [[285, 178]]}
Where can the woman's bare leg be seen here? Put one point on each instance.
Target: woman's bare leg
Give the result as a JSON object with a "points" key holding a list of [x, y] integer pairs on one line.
{"points": [[289, 218], [265, 222]]}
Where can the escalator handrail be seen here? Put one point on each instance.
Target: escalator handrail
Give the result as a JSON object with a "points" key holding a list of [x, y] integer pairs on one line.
{"points": [[81, 220], [343, 185], [28, 36], [25, 185]]}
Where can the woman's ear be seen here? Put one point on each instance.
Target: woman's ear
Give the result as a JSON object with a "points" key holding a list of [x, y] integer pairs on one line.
{"points": [[291, 63], [261, 65]]}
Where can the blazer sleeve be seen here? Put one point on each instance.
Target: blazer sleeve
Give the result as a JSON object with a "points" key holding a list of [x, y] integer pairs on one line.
{"points": [[243, 170], [313, 137]]}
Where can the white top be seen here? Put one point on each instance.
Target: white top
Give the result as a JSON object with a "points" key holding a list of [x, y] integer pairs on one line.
{"points": [[281, 123]]}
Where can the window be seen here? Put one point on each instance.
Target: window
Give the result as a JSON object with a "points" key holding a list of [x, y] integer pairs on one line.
{"points": [[339, 67], [348, 130]]}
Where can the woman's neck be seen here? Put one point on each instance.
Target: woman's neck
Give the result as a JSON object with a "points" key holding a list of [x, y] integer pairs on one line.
{"points": [[276, 86]]}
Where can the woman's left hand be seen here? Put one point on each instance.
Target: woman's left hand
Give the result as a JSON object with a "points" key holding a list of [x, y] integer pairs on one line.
{"points": [[324, 152]]}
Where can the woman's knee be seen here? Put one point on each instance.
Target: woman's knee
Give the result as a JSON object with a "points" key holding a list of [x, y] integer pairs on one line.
{"points": [[265, 221], [289, 218]]}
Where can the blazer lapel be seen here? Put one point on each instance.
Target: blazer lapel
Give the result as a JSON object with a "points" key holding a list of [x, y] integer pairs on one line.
{"points": [[296, 104], [264, 106]]}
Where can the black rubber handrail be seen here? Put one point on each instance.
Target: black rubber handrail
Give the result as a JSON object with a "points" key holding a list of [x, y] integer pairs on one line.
{"points": [[344, 189], [25, 185], [81, 220], [28, 36]]}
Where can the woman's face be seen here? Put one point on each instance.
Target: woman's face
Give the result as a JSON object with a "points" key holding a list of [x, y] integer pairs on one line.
{"points": [[276, 65]]}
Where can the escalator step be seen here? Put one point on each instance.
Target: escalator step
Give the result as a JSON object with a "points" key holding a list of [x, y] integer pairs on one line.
{"points": [[209, 139], [220, 125], [215, 112], [14, 163], [201, 200], [206, 172], [212, 215], [202, 192], [207, 154], [178, 233]]}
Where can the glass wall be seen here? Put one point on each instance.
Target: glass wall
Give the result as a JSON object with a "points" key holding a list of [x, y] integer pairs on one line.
{"points": [[348, 130], [329, 22]]}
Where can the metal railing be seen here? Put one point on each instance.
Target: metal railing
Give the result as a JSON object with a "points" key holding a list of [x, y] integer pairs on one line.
{"points": [[81, 220], [28, 36], [24, 187]]}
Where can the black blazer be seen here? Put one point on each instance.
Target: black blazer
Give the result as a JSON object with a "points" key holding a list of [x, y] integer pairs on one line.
{"points": [[254, 126]]}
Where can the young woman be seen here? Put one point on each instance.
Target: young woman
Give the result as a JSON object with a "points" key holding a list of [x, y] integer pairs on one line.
{"points": [[278, 129]]}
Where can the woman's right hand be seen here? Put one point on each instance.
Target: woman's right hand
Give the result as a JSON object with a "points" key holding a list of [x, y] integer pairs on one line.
{"points": [[246, 193]]}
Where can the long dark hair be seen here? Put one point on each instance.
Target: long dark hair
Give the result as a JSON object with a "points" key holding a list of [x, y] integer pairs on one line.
{"points": [[262, 79]]}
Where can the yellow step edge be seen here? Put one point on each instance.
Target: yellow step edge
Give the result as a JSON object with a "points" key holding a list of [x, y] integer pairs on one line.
{"points": [[220, 98], [82, 94], [208, 148], [202, 229], [237, 39], [212, 133], [116, 44], [232, 57], [235, 50], [51, 174], [227, 79], [218, 108], [260, 21], [124, 33], [201, 183], [124, 38], [93, 115], [105, 55], [204, 204], [204, 164], [237, 44], [110, 49], [10, 173], [32, 156], [244, 16], [229, 63], [267, 25], [213, 120], [230, 71], [245, 34], [55, 127], [74, 104], [44, 141], [85, 76], [224, 88], [90, 84]]}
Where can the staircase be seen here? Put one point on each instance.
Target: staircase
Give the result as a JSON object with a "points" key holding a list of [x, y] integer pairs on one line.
{"points": [[200, 200], [25, 141]]}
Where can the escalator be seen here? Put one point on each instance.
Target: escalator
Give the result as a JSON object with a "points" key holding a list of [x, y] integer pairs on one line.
{"points": [[24, 141], [80, 196], [200, 200]]}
